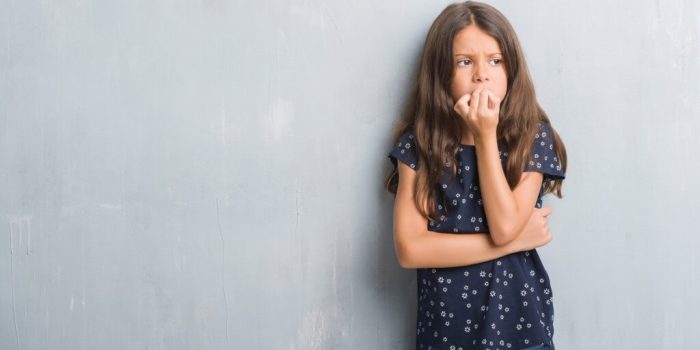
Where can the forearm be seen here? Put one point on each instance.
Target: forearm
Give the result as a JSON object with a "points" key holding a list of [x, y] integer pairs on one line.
{"points": [[432, 249], [500, 205]]}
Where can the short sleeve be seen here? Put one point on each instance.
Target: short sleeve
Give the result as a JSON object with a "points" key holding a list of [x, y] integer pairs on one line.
{"points": [[543, 159], [405, 151]]}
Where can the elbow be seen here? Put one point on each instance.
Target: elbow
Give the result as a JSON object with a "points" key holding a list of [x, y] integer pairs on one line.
{"points": [[406, 255], [405, 258]]}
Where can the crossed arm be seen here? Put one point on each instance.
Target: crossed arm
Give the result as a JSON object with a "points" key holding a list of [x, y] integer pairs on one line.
{"points": [[507, 211], [417, 247]]}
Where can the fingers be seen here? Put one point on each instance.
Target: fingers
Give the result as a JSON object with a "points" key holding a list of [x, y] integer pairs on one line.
{"points": [[484, 102], [462, 105], [475, 101], [494, 102]]}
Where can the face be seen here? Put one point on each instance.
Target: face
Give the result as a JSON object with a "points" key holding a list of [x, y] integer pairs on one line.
{"points": [[478, 62]]}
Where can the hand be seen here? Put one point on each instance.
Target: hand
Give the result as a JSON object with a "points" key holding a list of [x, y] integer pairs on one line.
{"points": [[535, 233], [479, 110]]}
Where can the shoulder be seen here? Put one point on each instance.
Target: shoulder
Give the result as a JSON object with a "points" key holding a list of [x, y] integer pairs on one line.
{"points": [[405, 150]]}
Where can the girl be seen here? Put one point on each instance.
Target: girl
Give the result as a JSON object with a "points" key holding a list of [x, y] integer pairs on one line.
{"points": [[477, 154]]}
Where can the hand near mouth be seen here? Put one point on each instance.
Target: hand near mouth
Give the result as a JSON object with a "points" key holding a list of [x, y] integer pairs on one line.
{"points": [[479, 110]]}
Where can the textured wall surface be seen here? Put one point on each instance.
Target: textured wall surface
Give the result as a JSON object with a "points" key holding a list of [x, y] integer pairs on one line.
{"points": [[208, 174]]}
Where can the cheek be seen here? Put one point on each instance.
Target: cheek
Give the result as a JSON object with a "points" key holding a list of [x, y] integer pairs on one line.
{"points": [[459, 88], [503, 86]]}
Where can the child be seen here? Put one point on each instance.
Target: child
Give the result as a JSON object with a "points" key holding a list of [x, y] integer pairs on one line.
{"points": [[477, 154]]}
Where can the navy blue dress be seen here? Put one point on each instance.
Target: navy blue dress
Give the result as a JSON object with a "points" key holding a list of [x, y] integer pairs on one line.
{"points": [[505, 303]]}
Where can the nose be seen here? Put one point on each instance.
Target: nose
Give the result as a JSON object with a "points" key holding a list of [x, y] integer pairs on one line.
{"points": [[480, 73]]}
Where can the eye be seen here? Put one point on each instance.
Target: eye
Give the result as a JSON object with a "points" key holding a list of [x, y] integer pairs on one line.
{"points": [[496, 61], [468, 62]]}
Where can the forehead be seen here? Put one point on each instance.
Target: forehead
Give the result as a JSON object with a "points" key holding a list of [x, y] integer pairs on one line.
{"points": [[473, 40]]}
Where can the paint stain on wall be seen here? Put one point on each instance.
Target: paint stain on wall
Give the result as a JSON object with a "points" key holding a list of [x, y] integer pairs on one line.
{"points": [[313, 331], [21, 232]]}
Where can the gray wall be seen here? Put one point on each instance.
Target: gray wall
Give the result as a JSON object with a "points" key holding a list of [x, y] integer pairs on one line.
{"points": [[208, 175]]}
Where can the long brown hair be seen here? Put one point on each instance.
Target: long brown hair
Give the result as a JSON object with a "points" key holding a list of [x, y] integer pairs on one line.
{"points": [[429, 112]]}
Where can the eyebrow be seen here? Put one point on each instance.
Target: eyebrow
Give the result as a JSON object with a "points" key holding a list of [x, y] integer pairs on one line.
{"points": [[488, 54]]}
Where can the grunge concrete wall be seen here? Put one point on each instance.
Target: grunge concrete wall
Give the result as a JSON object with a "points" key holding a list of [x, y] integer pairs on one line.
{"points": [[208, 174]]}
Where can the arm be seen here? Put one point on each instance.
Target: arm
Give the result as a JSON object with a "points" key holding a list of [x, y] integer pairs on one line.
{"points": [[507, 211], [417, 247]]}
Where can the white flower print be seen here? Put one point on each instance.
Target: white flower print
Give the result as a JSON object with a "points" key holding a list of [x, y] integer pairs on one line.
{"points": [[463, 195]]}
